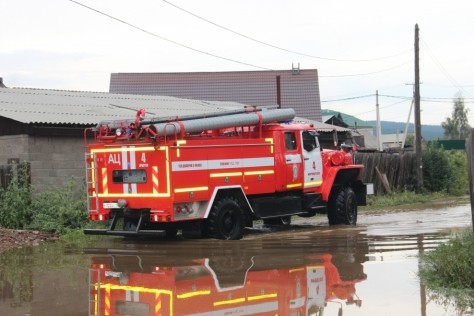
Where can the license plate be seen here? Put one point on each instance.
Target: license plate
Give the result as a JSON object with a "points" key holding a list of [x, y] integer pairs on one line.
{"points": [[110, 205], [113, 274]]}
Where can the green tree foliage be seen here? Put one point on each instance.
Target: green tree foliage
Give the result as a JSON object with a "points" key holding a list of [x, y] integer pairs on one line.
{"points": [[437, 172], [445, 171], [410, 139], [457, 126], [458, 164]]}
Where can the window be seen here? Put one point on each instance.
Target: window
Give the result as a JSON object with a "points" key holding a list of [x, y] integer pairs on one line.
{"points": [[290, 141], [129, 176], [309, 141]]}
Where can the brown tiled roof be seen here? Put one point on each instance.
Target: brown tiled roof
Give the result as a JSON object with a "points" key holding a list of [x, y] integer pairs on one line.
{"points": [[299, 91]]}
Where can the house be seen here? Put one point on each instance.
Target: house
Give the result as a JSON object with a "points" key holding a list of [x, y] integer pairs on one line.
{"points": [[362, 132], [296, 88]]}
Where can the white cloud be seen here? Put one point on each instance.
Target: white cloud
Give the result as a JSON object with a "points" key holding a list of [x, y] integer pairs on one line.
{"points": [[59, 44]]}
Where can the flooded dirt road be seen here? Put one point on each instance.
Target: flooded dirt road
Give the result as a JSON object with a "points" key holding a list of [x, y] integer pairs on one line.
{"points": [[306, 269]]}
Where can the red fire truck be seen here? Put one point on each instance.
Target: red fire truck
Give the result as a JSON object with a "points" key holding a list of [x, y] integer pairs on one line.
{"points": [[215, 174], [144, 285]]}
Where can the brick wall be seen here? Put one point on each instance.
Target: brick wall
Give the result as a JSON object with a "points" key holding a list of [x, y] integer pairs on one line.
{"points": [[53, 160]]}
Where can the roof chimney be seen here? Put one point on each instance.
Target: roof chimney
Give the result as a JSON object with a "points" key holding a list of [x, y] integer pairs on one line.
{"points": [[1, 83]]}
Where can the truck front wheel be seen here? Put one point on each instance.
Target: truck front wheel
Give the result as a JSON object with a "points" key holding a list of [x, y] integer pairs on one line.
{"points": [[342, 208], [225, 220]]}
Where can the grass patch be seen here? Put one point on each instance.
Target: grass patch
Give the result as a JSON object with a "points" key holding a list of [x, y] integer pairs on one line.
{"points": [[401, 198], [448, 272], [451, 265]]}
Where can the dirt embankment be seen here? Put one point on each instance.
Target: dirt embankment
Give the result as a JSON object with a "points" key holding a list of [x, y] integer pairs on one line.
{"points": [[14, 238]]}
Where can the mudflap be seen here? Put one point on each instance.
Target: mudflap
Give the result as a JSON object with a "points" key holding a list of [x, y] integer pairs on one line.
{"points": [[360, 190]]}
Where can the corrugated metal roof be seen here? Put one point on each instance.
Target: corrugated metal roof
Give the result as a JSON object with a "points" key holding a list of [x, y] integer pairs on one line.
{"points": [[76, 107]]}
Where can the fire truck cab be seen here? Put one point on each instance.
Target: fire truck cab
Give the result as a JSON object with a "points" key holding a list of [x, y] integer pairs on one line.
{"points": [[215, 174]]}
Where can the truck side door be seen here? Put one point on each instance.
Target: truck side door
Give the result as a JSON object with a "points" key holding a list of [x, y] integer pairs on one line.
{"points": [[313, 168], [294, 168]]}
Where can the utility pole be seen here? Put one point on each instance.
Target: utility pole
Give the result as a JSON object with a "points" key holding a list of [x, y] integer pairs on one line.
{"points": [[378, 127], [418, 150]]}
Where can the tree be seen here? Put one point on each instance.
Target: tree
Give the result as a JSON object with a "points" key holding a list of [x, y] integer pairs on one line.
{"points": [[457, 126]]}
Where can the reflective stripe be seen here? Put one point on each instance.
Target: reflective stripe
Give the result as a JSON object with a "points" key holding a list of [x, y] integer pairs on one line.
{"points": [[155, 179], [191, 189], [105, 187]]}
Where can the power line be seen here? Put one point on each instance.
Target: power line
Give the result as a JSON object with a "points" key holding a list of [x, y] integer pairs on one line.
{"points": [[441, 67], [167, 39], [278, 47], [349, 98], [367, 73]]}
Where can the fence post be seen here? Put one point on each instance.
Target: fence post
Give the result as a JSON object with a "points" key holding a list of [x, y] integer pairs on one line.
{"points": [[470, 167]]}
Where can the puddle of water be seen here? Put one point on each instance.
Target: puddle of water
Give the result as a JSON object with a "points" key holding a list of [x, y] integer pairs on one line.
{"points": [[300, 271]]}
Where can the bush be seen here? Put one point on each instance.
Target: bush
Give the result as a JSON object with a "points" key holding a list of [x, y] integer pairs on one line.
{"points": [[58, 211], [458, 164], [15, 200], [437, 172], [448, 273], [451, 265]]}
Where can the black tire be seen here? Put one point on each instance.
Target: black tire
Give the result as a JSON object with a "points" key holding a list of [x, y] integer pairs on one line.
{"points": [[225, 220], [342, 208]]}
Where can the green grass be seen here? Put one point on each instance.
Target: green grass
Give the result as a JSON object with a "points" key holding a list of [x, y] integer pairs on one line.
{"points": [[448, 272], [401, 198], [450, 265]]}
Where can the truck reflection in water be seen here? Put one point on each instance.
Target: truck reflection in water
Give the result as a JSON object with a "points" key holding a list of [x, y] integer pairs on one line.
{"points": [[145, 284]]}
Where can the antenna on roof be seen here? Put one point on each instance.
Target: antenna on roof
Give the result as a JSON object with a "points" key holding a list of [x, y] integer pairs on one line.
{"points": [[296, 70]]}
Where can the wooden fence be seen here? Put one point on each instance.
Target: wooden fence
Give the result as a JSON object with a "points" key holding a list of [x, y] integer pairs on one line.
{"points": [[388, 171]]}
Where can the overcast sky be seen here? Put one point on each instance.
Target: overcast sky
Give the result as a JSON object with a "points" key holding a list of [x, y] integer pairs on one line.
{"points": [[358, 47]]}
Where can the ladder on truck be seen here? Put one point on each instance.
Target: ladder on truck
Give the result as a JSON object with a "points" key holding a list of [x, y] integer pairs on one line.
{"points": [[91, 180]]}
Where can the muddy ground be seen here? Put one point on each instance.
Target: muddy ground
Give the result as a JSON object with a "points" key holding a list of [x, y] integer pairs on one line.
{"points": [[14, 238]]}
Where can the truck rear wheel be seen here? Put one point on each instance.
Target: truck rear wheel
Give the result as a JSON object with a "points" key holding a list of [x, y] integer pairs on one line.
{"points": [[342, 207], [226, 220]]}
